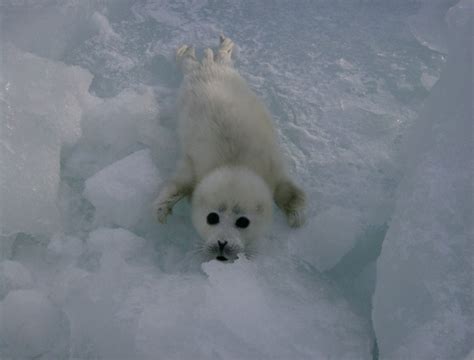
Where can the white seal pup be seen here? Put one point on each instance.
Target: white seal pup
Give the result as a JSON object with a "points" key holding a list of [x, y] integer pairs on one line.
{"points": [[231, 165]]}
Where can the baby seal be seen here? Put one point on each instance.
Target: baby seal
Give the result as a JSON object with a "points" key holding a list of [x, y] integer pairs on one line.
{"points": [[231, 164]]}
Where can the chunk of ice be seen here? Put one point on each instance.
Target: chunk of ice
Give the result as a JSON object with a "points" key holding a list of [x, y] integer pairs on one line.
{"points": [[13, 276], [327, 238], [117, 122], [423, 306], [119, 241], [32, 327], [52, 91], [41, 110], [247, 311], [66, 245], [122, 193], [114, 128]]}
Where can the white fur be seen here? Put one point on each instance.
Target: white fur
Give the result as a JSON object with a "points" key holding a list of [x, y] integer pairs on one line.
{"points": [[231, 162], [232, 192]]}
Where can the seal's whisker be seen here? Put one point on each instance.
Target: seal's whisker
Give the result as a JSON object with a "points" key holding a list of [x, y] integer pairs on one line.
{"points": [[251, 253], [198, 250]]}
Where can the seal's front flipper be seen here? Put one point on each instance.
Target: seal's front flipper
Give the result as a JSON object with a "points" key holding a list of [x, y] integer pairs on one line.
{"points": [[291, 200], [224, 52], [186, 58]]}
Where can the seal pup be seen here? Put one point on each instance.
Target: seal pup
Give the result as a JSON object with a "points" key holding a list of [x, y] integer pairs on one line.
{"points": [[231, 164]]}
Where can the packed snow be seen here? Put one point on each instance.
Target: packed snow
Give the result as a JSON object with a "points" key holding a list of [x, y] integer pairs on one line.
{"points": [[372, 101]]}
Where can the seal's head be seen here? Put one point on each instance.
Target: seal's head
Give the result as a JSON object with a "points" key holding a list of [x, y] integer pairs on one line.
{"points": [[231, 207]]}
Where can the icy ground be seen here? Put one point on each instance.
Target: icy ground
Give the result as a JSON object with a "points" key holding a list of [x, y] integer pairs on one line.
{"points": [[372, 100]]}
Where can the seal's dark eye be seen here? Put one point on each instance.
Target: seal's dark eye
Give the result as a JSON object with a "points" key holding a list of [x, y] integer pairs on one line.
{"points": [[242, 222], [213, 218]]}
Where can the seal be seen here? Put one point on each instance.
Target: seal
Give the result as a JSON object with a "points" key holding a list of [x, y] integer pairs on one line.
{"points": [[231, 164]]}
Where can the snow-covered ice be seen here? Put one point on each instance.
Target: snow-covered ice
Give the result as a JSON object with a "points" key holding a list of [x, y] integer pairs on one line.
{"points": [[424, 288], [42, 104], [336, 231], [121, 192], [114, 241], [13, 276], [282, 315], [381, 146], [32, 327]]}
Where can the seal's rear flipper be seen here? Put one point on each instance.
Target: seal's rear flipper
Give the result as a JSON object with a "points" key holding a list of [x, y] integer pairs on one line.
{"points": [[224, 52], [186, 58]]}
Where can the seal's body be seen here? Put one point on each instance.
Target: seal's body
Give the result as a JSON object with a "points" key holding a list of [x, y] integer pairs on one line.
{"points": [[231, 163]]}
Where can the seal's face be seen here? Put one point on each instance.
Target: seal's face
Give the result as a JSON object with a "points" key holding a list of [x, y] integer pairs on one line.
{"points": [[231, 208]]}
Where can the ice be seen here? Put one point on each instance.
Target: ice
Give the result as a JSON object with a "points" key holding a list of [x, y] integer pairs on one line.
{"points": [[13, 276], [119, 304], [42, 109], [53, 91], [114, 241], [88, 135], [32, 327], [103, 25], [121, 121], [92, 290], [116, 127], [336, 231], [67, 246], [121, 192], [428, 80], [208, 318], [54, 28], [423, 305], [429, 26]]}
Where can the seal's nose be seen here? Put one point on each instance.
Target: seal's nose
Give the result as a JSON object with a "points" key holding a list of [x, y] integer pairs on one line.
{"points": [[221, 245], [221, 256]]}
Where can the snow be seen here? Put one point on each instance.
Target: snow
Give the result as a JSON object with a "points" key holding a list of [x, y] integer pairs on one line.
{"points": [[88, 136]]}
